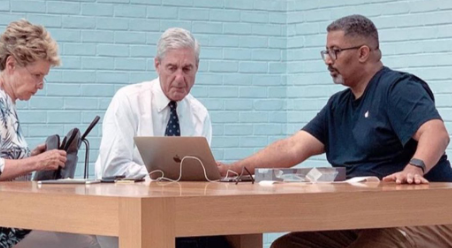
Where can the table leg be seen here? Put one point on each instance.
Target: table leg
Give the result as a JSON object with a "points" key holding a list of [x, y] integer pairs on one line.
{"points": [[246, 241], [146, 223]]}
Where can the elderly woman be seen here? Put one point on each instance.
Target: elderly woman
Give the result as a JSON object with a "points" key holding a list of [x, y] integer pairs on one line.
{"points": [[26, 54]]}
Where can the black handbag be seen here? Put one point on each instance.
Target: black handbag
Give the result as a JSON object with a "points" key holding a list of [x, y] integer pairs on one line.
{"points": [[71, 144]]}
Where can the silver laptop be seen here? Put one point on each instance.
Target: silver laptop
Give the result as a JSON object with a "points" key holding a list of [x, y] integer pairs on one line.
{"points": [[166, 153]]}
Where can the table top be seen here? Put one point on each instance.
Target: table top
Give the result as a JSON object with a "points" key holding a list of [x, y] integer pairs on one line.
{"points": [[193, 189]]}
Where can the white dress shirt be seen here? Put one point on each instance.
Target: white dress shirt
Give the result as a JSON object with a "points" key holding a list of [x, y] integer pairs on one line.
{"points": [[142, 110]]}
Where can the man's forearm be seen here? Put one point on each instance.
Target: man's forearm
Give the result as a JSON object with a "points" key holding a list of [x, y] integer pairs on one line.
{"points": [[273, 156], [283, 153], [432, 144]]}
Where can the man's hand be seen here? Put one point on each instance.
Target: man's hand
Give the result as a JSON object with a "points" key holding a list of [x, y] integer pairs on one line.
{"points": [[223, 168], [410, 175]]}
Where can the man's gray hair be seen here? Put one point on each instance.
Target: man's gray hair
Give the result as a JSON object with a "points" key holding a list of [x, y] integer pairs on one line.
{"points": [[356, 26], [176, 38]]}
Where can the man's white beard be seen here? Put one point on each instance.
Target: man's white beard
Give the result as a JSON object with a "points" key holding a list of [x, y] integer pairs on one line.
{"points": [[338, 79]]}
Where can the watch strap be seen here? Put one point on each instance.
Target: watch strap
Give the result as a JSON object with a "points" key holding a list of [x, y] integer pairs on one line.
{"points": [[418, 163]]}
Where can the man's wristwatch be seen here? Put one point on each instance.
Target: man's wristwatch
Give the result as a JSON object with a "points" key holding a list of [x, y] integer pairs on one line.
{"points": [[418, 163]]}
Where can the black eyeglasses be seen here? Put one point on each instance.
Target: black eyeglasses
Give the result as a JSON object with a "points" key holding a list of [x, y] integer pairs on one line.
{"points": [[248, 177], [332, 53]]}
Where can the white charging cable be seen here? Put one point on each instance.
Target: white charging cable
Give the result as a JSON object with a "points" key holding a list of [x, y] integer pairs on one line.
{"points": [[163, 178]]}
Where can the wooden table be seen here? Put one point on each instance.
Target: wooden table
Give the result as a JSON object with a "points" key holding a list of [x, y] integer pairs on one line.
{"points": [[151, 215]]}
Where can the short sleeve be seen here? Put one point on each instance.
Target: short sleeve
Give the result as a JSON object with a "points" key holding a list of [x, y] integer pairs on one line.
{"points": [[318, 126], [409, 106]]}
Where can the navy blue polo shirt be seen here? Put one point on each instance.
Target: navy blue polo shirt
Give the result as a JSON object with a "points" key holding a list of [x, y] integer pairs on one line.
{"points": [[372, 135]]}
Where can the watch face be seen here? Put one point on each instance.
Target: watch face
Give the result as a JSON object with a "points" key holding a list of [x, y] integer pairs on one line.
{"points": [[415, 163], [418, 163]]}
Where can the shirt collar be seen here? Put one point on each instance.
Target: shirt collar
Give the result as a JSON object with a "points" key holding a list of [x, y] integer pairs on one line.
{"points": [[161, 100]]}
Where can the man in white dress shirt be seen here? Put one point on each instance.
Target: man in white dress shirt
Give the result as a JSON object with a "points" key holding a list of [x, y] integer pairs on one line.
{"points": [[142, 109]]}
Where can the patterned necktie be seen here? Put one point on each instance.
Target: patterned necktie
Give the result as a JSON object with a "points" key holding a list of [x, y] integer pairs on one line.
{"points": [[172, 128]]}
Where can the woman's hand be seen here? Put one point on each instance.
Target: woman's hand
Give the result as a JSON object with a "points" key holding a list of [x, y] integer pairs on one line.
{"points": [[51, 160], [38, 150]]}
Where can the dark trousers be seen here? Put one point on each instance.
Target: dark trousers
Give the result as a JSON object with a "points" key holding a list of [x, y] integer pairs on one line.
{"points": [[203, 242]]}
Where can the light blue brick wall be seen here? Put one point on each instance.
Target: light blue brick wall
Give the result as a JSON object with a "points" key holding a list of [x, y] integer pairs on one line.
{"points": [[106, 44], [414, 36], [261, 76]]}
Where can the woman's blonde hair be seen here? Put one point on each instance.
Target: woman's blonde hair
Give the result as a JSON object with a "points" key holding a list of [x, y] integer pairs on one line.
{"points": [[27, 43]]}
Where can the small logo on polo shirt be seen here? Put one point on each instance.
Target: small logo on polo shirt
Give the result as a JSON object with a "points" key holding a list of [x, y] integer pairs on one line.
{"points": [[366, 114]]}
